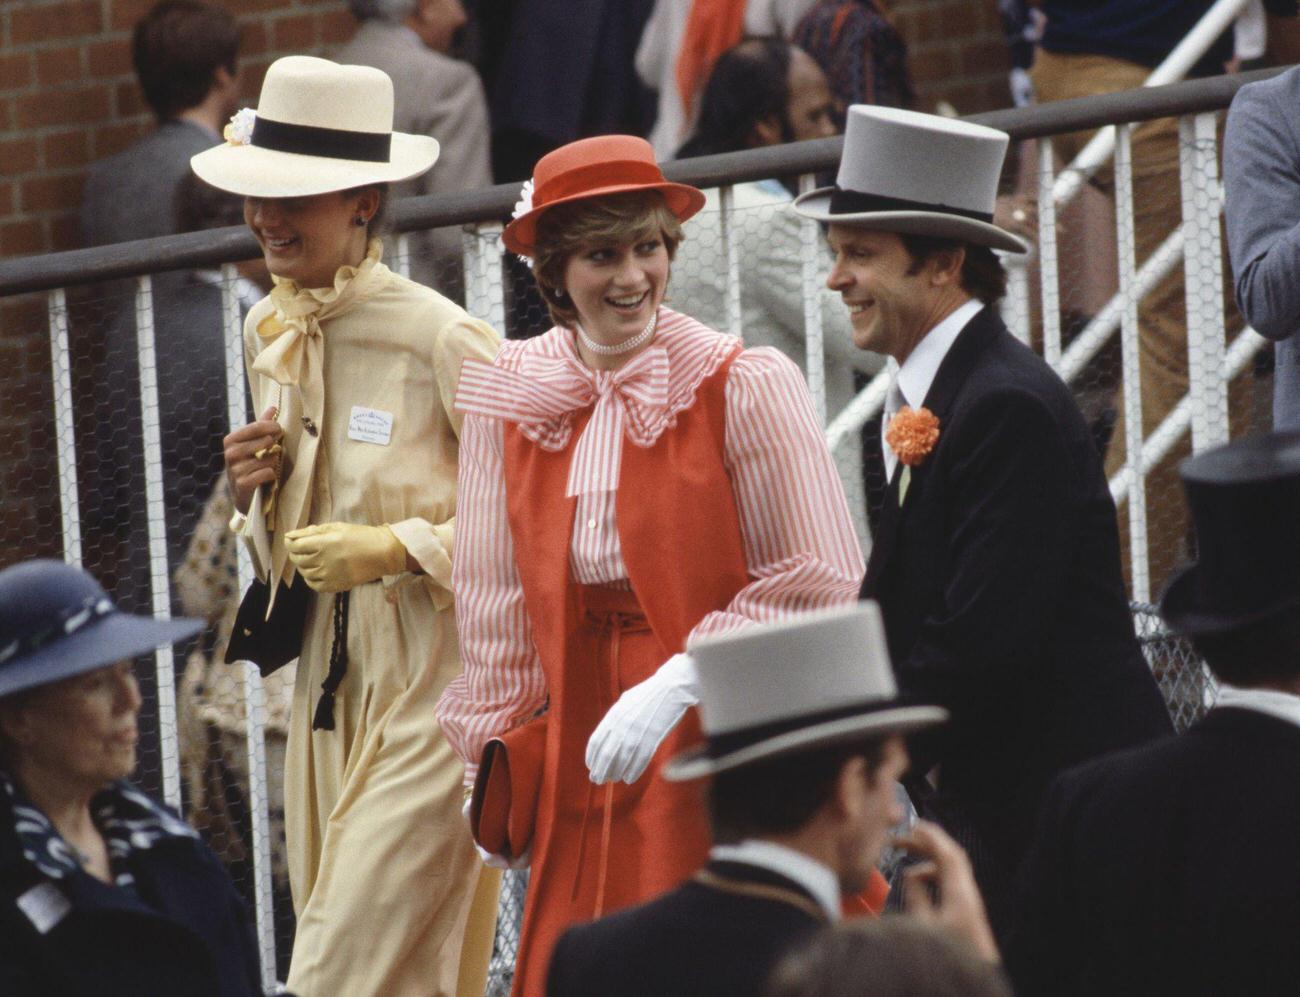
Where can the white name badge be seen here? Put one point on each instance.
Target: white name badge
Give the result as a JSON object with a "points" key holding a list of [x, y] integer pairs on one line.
{"points": [[370, 425], [45, 906]]}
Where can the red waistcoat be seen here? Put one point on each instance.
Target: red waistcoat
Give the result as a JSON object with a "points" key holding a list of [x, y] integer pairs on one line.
{"points": [[677, 524]]}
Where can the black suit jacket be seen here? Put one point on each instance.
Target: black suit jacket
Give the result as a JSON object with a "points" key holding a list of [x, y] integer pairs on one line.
{"points": [[1000, 584], [695, 941], [1169, 869]]}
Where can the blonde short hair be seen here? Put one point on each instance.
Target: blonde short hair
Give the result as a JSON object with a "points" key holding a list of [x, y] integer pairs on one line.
{"points": [[615, 218]]}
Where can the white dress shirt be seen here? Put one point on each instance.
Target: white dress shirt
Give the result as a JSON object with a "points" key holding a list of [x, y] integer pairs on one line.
{"points": [[912, 382], [814, 877], [1274, 702]]}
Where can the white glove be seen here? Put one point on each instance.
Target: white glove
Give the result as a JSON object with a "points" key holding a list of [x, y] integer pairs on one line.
{"points": [[623, 742], [498, 861]]}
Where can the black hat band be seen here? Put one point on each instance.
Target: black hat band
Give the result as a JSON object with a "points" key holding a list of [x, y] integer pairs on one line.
{"points": [[852, 202], [720, 745], [328, 143]]}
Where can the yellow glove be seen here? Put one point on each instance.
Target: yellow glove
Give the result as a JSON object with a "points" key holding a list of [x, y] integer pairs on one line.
{"points": [[334, 557]]}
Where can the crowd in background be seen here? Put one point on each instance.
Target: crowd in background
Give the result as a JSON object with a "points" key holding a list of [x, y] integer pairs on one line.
{"points": [[694, 77]]}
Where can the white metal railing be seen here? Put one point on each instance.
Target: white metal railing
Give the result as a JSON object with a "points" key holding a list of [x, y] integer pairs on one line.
{"points": [[1194, 240], [259, 801], [159, 584], [812, 305], [1099, 150], [1130, 369], [61, 376]]}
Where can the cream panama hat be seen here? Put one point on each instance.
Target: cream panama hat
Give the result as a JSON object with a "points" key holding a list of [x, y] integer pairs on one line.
{"points": [[917, 174], [816, 679], [318, 127]]}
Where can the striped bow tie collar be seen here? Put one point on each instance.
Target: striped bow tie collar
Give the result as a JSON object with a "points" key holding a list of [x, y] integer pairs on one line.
{"points": [[543, 389]]}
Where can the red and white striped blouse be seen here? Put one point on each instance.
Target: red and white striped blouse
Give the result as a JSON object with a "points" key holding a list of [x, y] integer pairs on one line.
{"points": [[800, 545]]}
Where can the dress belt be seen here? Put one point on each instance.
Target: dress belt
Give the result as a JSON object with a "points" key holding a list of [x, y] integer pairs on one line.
{"points": [[612, 613]]}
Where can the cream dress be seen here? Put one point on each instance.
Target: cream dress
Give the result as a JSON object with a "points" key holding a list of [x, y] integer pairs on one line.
{"points": [[381, 864]]}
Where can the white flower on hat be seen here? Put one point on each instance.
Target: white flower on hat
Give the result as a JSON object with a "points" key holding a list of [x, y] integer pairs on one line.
{"points": [[522, 207], [240, 129], [525, 202]]}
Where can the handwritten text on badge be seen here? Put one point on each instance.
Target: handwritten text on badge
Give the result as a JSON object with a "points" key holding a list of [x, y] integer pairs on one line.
{"points": [[370, 425]]}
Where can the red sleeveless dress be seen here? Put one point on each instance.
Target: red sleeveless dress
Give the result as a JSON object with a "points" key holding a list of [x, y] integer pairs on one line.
{"points": [[600, 848]]}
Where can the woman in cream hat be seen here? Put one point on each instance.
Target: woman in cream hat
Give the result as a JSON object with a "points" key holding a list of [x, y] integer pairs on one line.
{"points": [[348, 483], [631, 481]]}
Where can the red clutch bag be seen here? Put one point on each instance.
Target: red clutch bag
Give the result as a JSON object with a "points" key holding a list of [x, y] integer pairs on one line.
{"points": [[503, 805]]}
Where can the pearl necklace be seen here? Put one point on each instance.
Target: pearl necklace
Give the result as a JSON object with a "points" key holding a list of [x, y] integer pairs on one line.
{"points": [[618, 349]]}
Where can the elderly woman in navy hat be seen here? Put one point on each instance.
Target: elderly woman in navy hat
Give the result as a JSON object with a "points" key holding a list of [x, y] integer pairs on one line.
{"points": [[102, 890]]}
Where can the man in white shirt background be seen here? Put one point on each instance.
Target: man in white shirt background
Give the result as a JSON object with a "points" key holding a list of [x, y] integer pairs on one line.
{"points": [[765, 92]]}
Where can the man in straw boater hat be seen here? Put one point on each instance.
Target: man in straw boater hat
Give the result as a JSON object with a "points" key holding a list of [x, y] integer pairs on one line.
{"points": [[1173, 867], [803, 729], [996, 555], [345, 489]]}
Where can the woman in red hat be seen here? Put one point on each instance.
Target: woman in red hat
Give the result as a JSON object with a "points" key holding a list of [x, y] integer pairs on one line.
{"points": [[630, 481]]}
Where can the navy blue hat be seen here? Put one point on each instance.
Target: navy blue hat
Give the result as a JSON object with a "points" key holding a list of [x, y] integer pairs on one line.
{"points": [[1245, 501], [56, 622]]}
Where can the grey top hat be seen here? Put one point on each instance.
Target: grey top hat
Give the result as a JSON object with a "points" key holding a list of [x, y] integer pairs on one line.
{"points": [[817, 679], [1244, 498], [56, 622], [918, 174]]}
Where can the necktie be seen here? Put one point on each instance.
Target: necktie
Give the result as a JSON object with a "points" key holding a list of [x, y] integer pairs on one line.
{"points": [[894, 401]]}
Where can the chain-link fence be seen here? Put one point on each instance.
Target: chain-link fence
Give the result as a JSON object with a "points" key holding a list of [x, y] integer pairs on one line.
{"points": [[120, 466], [505, 946], [1185, 681]]}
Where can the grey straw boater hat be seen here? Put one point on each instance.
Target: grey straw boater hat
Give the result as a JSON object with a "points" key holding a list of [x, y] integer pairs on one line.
{"points": [[817, 679], [319, 127], [56, 622], [917, 174]]}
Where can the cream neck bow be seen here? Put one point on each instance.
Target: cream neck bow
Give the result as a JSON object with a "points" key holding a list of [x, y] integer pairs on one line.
{"points": [[292, 343]]}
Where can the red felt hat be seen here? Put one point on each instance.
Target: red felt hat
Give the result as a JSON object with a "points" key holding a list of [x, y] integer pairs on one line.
{"points": [[594, 167]]}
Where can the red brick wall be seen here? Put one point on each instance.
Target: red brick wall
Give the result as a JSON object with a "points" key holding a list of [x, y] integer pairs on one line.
{"points": [[68, 96], [956, 51]]}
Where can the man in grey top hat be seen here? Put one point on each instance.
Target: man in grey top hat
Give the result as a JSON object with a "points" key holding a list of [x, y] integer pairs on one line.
{"points": [[1173, 867], [803, 762], [996, 558]]}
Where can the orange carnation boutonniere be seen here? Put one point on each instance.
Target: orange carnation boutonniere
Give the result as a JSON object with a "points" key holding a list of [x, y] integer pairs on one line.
{"points": [[911, 434]]}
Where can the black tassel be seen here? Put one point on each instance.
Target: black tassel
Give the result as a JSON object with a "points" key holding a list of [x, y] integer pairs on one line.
{"points": [[324, 716]]}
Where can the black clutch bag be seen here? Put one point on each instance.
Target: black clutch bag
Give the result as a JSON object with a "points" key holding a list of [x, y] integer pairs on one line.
{"points": [[269, 643]]}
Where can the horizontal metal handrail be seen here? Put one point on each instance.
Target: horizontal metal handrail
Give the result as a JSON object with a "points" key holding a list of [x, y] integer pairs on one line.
{"points": [[215, 247]]}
